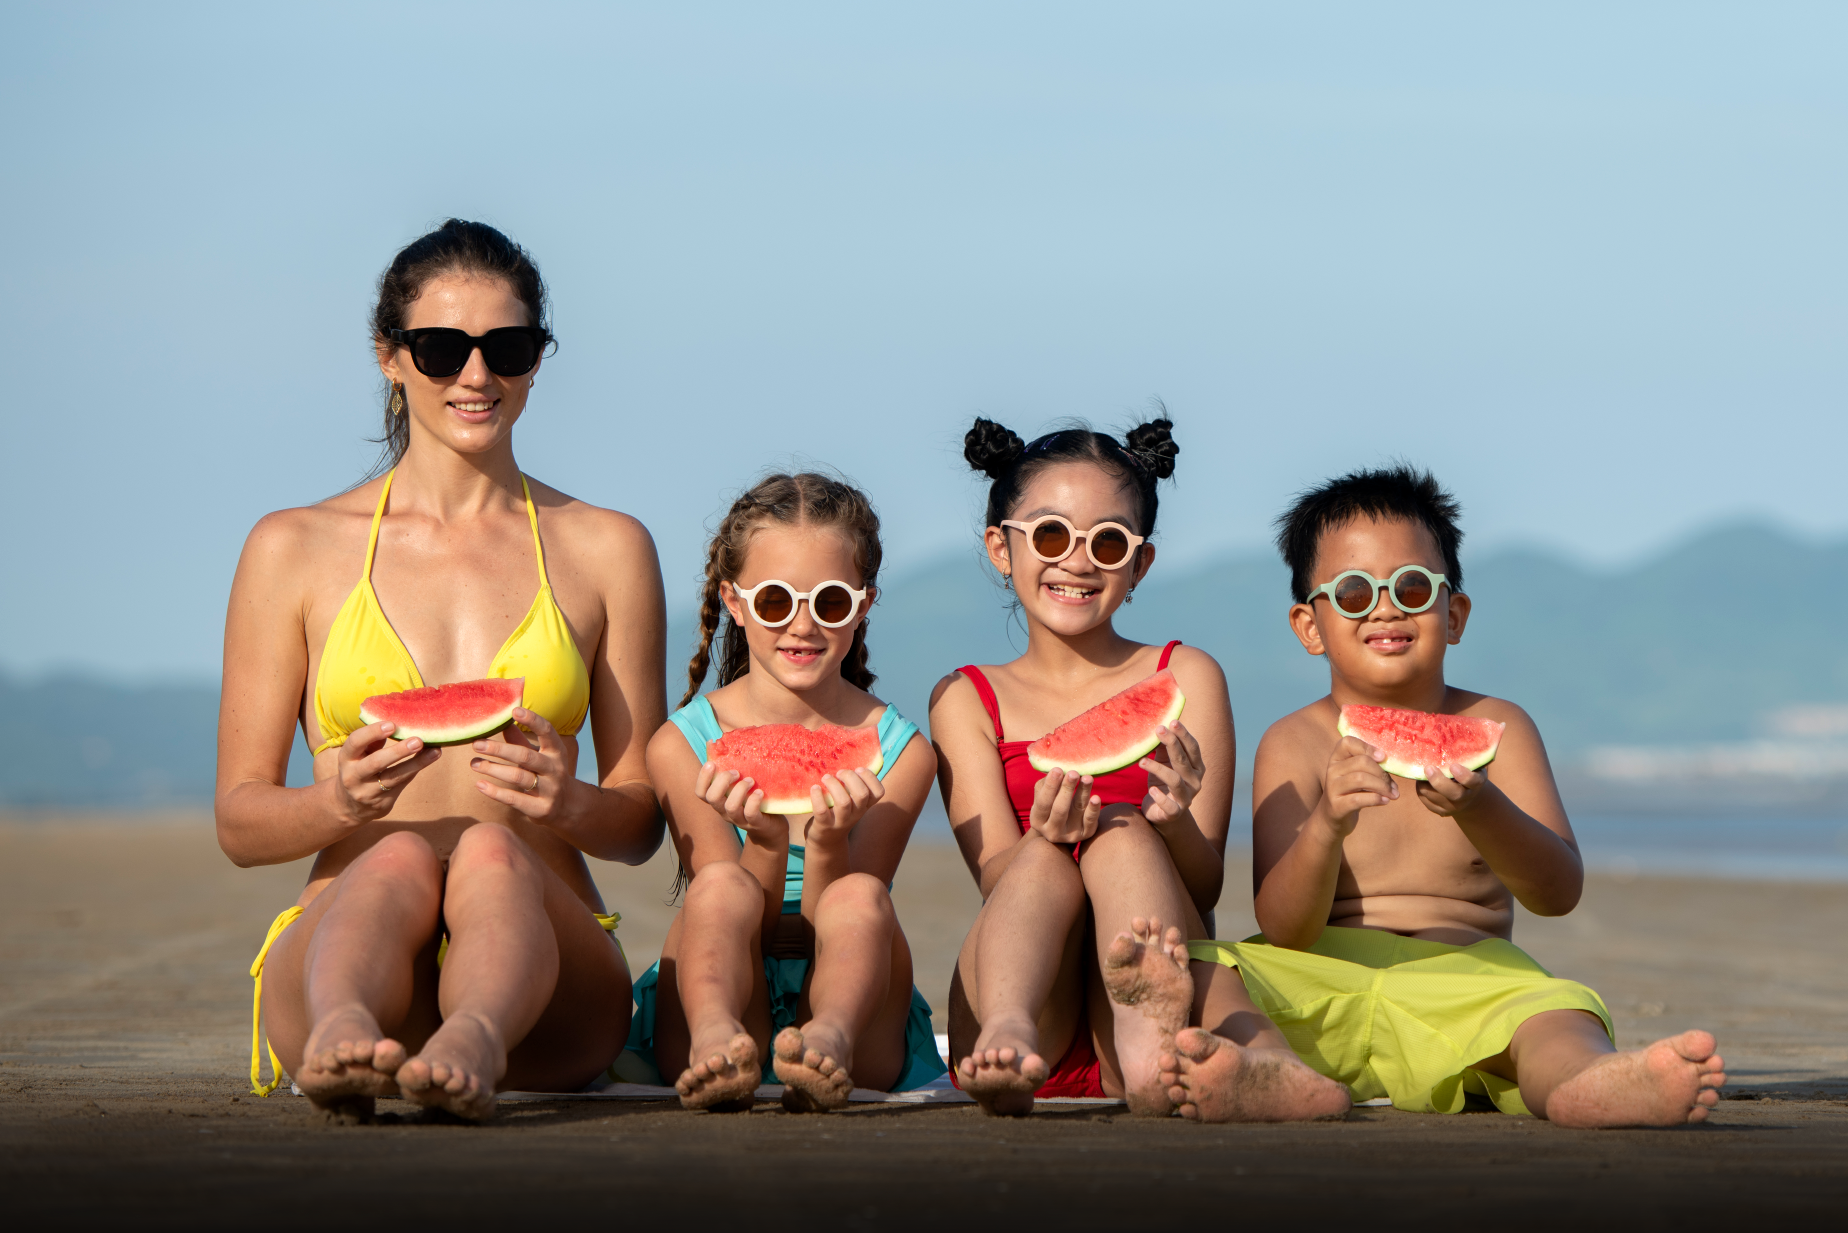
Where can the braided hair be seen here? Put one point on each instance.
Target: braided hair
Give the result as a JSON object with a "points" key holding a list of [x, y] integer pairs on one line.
{"points": [[791, 500], [1141, 459]]}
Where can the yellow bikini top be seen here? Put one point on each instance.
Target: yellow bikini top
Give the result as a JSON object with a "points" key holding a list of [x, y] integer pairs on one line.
{"points": [[364, 655]]}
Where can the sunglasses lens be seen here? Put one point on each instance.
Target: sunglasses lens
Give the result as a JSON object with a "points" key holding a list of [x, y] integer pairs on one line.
{"points": [[1354, 595], [1109, 546], [440, 353], [832, 605], [773, 604], [1051, 540], [510, 353], [1413, 591]]}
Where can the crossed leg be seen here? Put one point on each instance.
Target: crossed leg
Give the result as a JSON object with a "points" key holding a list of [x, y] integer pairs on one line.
{"points": [[1235, 1066]]}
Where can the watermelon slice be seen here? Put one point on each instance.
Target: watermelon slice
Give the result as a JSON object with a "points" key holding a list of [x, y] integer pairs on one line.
{"points": [[1113, 734], [1416, 742], [447, 714], [787, 760]]}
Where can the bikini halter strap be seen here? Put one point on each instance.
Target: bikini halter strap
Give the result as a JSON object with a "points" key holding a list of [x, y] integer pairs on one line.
{"points": [[532, 518]]}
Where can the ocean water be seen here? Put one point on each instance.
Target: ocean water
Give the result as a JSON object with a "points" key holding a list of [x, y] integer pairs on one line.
{"points": [[1772, 848], [1767, 847]]}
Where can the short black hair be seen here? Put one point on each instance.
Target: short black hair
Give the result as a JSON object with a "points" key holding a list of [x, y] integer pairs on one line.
{"points": [[1400, 491]]}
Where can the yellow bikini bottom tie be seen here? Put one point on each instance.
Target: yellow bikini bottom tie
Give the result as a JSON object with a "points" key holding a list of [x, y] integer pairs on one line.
{"points": [[257, 1086], [287, 917]]}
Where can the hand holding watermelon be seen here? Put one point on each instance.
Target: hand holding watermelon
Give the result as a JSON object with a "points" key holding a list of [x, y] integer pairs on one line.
{"points": [[1064, 810], [1455, 791], [840, 801], [1354, 781], [529, 780], [737, 798], [372, 769], [1174, 775]]}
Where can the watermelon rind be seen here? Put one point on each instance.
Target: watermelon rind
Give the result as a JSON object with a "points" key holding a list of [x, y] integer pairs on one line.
{"points": [[1407, 769], [786, 798], [1053, 751], [434, 714]]}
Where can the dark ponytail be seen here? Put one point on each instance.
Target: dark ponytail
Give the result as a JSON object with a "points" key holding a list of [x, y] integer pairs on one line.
{"points": [[457, 247], [1141, 459]]}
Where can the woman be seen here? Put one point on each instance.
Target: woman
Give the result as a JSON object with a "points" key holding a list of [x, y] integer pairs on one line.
{"points": [[450, 942]]}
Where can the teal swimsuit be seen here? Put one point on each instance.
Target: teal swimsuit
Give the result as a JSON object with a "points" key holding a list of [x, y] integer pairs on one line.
{"points": [[787, 976]]}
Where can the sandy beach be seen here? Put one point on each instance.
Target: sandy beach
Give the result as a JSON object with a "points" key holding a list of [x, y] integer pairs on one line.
{"points": [[124, 1035]]}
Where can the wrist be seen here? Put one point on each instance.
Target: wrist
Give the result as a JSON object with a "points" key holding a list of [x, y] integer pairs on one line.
{"points": [[339, 804]]}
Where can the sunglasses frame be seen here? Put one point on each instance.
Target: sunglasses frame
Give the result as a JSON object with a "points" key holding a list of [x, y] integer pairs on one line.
{"points": [[408, 339], [1380, 584], [797, 598], [1027, 528]]}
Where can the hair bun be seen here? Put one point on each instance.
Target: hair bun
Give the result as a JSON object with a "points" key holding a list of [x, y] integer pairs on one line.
{"points": [[992, 449], [1152, 445]]}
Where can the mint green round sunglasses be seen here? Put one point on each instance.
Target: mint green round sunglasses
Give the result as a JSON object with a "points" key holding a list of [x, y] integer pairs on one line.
{"points": [[1355, 593]]}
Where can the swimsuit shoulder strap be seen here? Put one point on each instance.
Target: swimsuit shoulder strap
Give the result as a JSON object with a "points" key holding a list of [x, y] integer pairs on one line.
{"points": [[1165, 653], [372, 541], [895, 732], [698, 724], [532, 516], [987, 694]]}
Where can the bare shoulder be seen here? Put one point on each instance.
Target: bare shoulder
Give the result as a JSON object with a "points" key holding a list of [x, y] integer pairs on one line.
{"points": [[954, 703], [591, 530], [668, 747], [1485, 706], [1301, 738], [307, 539], [1196, 669]]}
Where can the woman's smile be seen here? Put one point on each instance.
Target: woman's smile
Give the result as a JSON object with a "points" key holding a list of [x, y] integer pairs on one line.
{"points": [[474, 410]]}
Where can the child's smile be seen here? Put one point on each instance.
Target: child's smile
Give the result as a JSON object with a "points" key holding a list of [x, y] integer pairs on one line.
{"points": [[1389, 640]]}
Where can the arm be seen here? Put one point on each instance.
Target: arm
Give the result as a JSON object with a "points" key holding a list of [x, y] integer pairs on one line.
{"points": [[1532, 849], [618, 818], [1191, 779], [867, 830], [260, 821], [1298, 825], [701, 807], [975, 791]]}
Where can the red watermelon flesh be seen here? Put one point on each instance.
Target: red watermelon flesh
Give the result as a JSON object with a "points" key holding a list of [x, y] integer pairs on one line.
{"points": [[1416, 743], [786, 760], [1113, 734], [447, 714]]}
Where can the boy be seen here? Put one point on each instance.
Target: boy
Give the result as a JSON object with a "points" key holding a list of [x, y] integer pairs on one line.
{"points": [[1387, 905]]}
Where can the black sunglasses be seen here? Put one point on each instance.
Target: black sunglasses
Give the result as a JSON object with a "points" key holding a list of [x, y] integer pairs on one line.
{"points": [[510, 351]]}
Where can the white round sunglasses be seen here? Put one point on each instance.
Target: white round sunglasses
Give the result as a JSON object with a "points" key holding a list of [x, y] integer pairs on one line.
{"points": [[773, 602]]}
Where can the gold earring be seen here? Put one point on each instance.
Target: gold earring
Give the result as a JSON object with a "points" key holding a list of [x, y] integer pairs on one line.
{"points": [[396, 406]]}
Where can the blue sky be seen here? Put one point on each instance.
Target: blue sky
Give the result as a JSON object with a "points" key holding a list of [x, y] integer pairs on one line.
{"points": [[1586, 261]]}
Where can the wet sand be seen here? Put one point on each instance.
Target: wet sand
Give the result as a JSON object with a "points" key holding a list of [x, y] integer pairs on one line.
{"points": [[124, 1037]]}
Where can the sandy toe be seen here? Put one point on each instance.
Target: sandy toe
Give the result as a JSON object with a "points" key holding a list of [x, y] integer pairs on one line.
{"points": [[813, 1081], [458, 1068], [1002, 1078], [725, 1080], [1670, 1083], [348, 1061], [1214, 1080], [1148, 969]]}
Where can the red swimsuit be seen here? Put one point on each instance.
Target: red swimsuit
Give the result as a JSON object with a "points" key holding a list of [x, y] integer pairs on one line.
{"points": [[1077, 1072]]}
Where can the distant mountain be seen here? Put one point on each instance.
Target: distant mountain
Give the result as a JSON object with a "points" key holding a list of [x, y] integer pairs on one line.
{"points": [[1699, 645]]}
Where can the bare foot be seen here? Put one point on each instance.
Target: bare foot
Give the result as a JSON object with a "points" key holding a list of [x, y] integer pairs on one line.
{"points": [[726, 1080], [457, 1068], [1147, 970], [1672, 1082], [1210, 1079], [814, 1081], [348, 1061], [1003, 1071]]}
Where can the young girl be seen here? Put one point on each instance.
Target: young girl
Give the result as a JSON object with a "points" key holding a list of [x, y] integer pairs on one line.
{"points": [[1049, 997], [787, 925]]}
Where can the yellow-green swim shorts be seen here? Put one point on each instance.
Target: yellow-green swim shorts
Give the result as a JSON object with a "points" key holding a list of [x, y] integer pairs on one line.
{"points": [[1400, 1017]]}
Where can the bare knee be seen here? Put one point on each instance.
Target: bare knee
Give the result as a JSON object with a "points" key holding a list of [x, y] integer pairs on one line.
{"points": [[1118, 831], [486, 846], [1049, 868], [403, 858], [859, 897], [724, 889]]}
